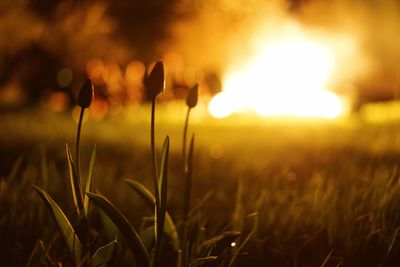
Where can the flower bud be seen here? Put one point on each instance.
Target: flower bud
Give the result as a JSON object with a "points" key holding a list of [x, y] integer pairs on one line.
{"points": [[191, 99], [86, 94], [156, 81]]}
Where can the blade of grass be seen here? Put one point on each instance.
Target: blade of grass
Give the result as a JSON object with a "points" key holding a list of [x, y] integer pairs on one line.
{"points": [[37, 255], [127, 230], [143, 192], [103, 254], [162, 184], [169, 227], [187, 192], [163, 178], [244, 242], [237, 220], [202, 260], [219, 243], [75, 183], [64, 225], [197, 207], [89, 181], [108, 227], [327, 258]]}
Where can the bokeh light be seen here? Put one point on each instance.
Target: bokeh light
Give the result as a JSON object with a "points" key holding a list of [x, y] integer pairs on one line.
{"points": [[64, 77]]}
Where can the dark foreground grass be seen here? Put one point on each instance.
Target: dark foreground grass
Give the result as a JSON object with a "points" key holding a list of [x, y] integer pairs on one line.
{"points": [[326, 193]]}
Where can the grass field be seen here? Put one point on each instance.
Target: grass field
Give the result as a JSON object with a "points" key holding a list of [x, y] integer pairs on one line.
{"points": [[309, 192]]}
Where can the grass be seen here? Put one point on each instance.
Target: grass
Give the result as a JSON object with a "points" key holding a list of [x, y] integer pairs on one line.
{"points": [[325, 193], [158, 243]]}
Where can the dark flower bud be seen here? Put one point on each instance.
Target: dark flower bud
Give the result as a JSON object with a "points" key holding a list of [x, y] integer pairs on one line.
{"points": [[191, 99], [86, 94], [156, 82]]}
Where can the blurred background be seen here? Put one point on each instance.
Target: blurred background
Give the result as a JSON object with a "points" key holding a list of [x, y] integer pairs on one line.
{"points": [[325, 189], [339, 54]]}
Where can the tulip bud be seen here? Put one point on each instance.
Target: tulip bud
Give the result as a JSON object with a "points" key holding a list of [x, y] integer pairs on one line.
{"points": [[191, 99], [156, 81], [86, 94]]}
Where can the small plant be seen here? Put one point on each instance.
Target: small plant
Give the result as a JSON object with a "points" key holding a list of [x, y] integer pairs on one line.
{"points": [[84, 100], [158, 201], [155, 86], [74, 235], [190, 252], [191, 102], [190, 247]]}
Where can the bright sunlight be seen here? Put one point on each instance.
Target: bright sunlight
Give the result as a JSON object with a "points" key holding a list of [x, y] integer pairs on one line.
{"points": [[288, 76]]}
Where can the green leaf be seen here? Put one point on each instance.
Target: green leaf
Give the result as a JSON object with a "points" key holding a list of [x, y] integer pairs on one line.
{"points": [[218, 244], [109, 229], [89, 181], [143, 192], [64, 225], [162, 185], [169, 227], [128, 232], [202, 260], [75, 183], [103, 254]]}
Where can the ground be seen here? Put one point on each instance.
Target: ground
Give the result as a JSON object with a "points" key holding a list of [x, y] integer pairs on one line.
{"points": [[318, 192]]}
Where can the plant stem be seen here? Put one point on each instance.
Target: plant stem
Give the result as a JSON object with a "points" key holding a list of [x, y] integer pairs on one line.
{"points": [[186, 193], [77, 149], [153, 149], [185, 168], [184, 140], [83, 224], [155, 179]]}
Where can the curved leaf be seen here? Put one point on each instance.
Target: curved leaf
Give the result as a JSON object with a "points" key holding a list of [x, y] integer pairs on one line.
{"points": [[64, 225], [75, 183], [88, 187], [128, 232], [103, 254], [163, 178], [143, 192], [202, 260], [169, 227], [161, 208]]}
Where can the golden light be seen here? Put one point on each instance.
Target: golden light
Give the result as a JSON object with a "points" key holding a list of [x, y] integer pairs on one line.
{"points": [[287, 76]]}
